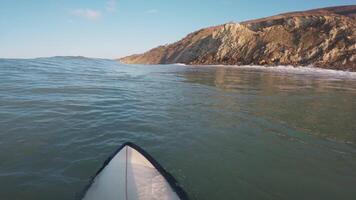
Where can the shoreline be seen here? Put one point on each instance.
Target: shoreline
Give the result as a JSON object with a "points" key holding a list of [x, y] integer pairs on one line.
{"points": [[276, 68]]}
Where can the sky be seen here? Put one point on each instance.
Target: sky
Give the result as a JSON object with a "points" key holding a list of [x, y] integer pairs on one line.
{"points": [[116, 28]]}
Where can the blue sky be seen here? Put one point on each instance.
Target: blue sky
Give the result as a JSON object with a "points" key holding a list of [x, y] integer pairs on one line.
{"points": [[115, 28]]}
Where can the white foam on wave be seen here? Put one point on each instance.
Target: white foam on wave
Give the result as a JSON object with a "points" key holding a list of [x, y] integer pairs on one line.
{"points": [[180, 64], [299, 70]]}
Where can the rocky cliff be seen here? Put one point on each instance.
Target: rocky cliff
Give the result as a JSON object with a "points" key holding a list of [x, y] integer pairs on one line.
{"points": [[323, 38]]}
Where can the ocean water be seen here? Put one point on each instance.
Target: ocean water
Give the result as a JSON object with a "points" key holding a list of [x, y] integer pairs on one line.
{"points": [[224, 132]]}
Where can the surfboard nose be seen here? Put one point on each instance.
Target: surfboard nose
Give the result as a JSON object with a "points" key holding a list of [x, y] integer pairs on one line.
{"points": [[131, 173]]}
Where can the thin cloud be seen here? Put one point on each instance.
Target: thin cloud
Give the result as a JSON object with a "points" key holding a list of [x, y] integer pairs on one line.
{"points": [[152, 11], [86, 13], [111, 6]]}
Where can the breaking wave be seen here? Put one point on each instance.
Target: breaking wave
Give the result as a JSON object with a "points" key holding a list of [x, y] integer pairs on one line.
{"points": [[298, 70]]}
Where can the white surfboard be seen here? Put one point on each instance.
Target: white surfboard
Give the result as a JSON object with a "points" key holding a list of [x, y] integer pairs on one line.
{"points": [[132, 174]]}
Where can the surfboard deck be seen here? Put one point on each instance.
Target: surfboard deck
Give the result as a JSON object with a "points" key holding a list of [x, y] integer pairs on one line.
{"points": [[132, 174]]}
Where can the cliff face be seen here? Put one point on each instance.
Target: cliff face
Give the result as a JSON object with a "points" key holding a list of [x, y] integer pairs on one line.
{"points": [[323, 38]]}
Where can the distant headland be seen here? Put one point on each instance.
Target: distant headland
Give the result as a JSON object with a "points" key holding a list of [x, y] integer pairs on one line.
{"points": [[324, 38]]}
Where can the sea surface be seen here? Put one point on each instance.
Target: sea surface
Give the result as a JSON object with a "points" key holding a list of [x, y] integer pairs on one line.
{"points": [[224, 132]]}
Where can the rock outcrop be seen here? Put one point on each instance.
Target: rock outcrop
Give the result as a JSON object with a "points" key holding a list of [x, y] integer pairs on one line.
{"points": [[324, 38]]}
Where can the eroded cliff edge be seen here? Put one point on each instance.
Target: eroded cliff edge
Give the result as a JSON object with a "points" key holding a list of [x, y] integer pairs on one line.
{"points": [[324, 38]]}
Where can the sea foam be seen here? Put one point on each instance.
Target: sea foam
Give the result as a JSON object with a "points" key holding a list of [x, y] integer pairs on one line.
{"points": [[309, 70]]}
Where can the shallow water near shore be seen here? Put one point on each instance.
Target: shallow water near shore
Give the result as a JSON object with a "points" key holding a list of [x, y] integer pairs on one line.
{"points": [[223, 132]]}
